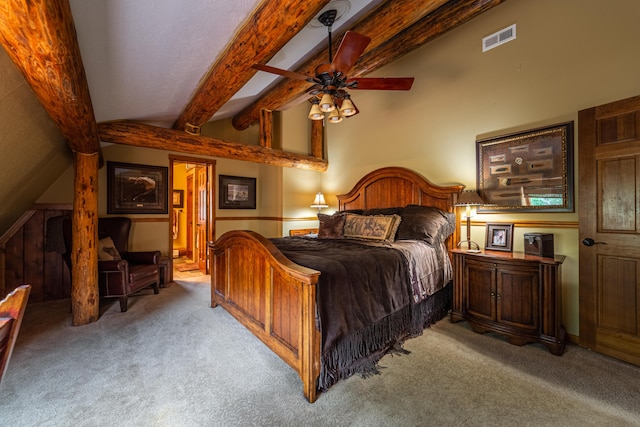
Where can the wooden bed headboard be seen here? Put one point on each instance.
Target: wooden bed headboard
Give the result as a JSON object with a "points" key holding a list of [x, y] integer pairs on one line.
{"points": [[396, 187]]}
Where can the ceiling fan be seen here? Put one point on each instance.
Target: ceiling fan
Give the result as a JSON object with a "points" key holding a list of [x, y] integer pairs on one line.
{"points": [[331, 81]]}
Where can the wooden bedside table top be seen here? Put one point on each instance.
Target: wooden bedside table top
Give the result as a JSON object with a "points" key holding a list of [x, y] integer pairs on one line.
{"points": [[503, 255]]}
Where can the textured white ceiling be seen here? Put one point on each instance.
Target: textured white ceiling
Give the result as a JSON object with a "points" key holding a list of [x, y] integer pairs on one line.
{"points": [[145, 58]]}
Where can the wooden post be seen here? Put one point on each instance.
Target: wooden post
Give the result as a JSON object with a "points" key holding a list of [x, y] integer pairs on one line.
{"points": [[266, 128], [317, 139], [84, 257]]}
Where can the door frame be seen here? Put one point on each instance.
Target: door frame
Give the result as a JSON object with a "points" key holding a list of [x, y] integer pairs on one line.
{"points": [[210, 164]]}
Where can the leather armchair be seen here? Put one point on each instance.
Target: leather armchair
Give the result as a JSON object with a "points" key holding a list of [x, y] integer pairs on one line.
{"points": [[121, 278], [135, 271]]}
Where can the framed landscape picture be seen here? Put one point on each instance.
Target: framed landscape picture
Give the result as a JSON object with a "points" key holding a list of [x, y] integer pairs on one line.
{"points": [[136, 189], [237, 192]]}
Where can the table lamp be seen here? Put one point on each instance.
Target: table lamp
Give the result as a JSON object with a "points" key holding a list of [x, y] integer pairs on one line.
{"points": [[469, 198]]}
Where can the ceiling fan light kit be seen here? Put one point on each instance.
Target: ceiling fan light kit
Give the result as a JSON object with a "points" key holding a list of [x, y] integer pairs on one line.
{"points": [[330, 82]]}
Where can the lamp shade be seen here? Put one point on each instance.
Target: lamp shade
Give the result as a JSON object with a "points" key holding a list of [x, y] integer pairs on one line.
{"points": [[319, 202], [315, 113], [327, 104], [335, 117], [347, 109], [469, 198]]}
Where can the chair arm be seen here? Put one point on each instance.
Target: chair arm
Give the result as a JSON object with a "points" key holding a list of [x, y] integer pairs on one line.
{"points": [[113, 265], [145, 257]]}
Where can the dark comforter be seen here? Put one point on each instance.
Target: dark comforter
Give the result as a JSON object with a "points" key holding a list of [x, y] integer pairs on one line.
{"points": [[364, 297]]}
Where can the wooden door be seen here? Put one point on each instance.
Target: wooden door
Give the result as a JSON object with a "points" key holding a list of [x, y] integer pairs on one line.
{"points": [[202, 208], [609, 214], [189, 206]]}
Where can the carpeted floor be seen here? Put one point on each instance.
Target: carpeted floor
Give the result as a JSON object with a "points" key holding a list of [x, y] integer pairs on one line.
{"points": [[172, 360]]}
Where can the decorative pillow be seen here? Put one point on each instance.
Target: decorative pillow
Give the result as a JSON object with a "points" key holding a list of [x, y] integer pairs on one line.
{"points": [[381, 211], [426, 223], [107, 250], [331, 226], [372, 227]]}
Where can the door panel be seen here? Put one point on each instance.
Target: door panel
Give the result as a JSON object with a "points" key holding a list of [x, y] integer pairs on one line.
{"points": [[190, 251], [201, 219], [618, 299], [480, 288], [609, 186], [518, 298]]}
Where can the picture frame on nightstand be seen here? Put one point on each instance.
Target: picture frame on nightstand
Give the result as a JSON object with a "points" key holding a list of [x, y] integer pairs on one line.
{"points": [[499, 237]]}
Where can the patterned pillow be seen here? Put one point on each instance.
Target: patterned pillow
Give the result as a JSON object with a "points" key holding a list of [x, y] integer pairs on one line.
{"points": [[372, 227], [426, 223], [331, 226], [107, 250]]}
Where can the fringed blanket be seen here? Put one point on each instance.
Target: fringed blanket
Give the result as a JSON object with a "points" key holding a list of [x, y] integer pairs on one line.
{"points": [[364, 299]]}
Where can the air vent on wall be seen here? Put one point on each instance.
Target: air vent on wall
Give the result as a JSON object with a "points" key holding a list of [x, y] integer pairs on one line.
{"points": [[498, 38]]}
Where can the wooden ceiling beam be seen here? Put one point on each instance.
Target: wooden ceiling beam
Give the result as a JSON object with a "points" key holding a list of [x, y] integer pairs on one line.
{"points": [[270, 27], [425, 20], [138, 134], [40, 38], [448, 17]]}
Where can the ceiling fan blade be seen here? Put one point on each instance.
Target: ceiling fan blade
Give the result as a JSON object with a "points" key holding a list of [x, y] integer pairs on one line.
{"points": [[350, 49], [382, 83], [281, 72]]}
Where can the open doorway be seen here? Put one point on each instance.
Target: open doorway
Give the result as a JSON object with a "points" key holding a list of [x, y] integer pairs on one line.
{"points": [[193, 213]]}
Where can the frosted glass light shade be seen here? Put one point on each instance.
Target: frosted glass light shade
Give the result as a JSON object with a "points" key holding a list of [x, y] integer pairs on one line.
{"points": [[347, 109], [326, 103], [315, 113], [335, 117]]}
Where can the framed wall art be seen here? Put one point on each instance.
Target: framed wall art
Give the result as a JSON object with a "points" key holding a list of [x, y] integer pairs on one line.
{"points": [[499, 237], [136, 189], [237, 192], [178, 199], [529, 171]]}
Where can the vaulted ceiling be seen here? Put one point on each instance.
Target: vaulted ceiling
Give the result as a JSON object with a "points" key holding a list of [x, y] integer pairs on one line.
{"points": [[142, 72]]}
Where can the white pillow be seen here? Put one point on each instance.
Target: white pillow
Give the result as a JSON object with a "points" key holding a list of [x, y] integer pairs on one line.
{"points": [[107, 250]]}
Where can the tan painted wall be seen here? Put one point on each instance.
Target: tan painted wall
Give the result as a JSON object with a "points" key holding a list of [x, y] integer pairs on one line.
{"points": [[32, 150], [568, 55]]}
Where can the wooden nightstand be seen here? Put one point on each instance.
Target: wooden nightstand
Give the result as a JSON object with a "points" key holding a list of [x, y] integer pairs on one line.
{"points": [[516, 295]]}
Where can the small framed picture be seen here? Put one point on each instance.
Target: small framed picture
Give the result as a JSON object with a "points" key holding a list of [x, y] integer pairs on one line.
{"points": [[178, 198], [499, 237], [237, 192]]}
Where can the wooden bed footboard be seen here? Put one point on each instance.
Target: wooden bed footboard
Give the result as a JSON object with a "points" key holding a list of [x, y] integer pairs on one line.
{"points": [[272, 297], [276, 299]]}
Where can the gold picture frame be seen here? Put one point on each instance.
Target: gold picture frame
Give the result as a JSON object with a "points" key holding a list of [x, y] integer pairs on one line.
{"points": [[530, 171]]}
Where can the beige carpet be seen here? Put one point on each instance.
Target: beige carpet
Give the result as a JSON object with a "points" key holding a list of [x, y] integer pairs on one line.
{"points": [[172, 360]]}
